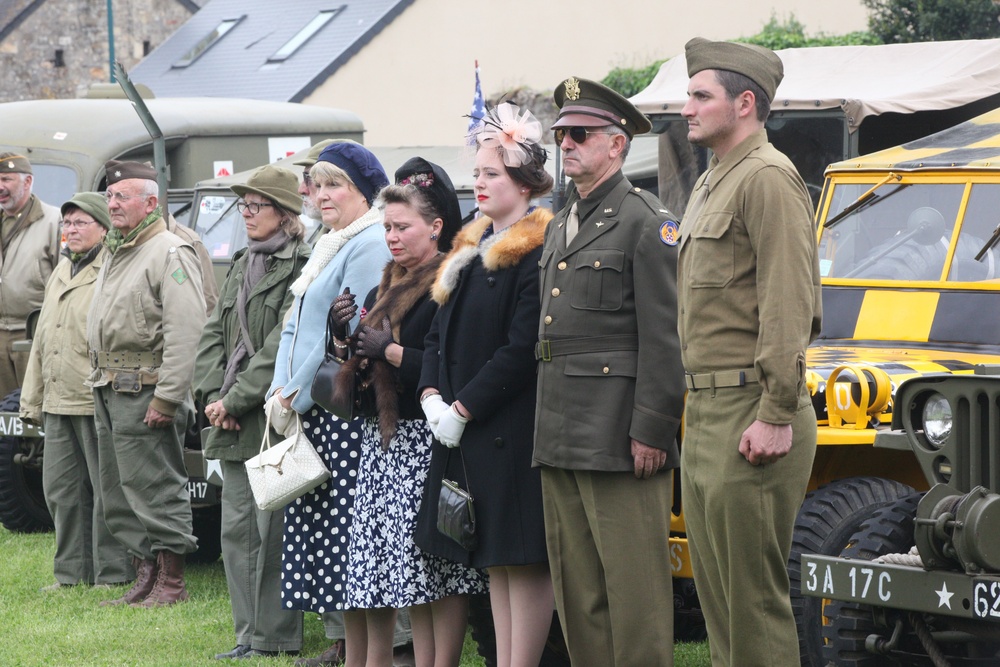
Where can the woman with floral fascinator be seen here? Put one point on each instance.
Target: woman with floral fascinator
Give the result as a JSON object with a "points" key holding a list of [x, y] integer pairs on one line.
{"points": [[477, 385]]}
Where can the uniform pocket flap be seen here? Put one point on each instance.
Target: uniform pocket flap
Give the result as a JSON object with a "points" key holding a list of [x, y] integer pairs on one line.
{"points": [[712, 225], [601, 259], [617, 363]]}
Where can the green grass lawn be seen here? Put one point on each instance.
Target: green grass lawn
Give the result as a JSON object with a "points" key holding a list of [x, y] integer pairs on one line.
{"points": [[67, 627]]}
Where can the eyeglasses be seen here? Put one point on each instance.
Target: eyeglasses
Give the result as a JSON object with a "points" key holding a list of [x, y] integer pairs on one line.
{"points": [[79, 224], [577, 134], [252, 206], [306, 178], [119, 197]]}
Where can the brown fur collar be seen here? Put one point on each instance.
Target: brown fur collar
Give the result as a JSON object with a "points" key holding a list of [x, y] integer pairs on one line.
{"points": [[399, 291], [500, 251]]}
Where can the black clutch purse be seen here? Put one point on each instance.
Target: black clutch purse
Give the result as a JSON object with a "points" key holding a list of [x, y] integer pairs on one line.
{"points": [[324, 390], [456, 516]]}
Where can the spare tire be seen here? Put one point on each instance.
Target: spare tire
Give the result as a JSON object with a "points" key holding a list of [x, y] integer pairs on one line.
{"points": [[22, 500]]}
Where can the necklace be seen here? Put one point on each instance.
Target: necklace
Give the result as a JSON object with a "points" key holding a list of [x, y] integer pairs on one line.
{"points": [[493, 227]]}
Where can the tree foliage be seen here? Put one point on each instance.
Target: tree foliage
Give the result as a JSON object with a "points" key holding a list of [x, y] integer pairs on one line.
{"points": [[893, 21]]}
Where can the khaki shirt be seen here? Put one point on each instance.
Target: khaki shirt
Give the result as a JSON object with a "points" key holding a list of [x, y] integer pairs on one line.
{"points": [[148, 298], [27, 259], [748, 279]]}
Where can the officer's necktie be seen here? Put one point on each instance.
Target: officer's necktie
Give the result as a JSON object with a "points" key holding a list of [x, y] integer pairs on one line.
{"points": [[572, 224]]}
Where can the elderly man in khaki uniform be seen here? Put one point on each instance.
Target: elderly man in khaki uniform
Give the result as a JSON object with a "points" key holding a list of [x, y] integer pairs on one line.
{"points": [[610, 391], [54, 396], [142, 332], [749, 295], [29, 252]]}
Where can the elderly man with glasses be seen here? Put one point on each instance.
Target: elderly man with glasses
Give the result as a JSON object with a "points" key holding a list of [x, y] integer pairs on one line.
{"points": [[610, 390], [142, 331], [29, 252]]}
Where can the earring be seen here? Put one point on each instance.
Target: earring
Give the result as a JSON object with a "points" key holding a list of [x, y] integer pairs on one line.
{"points": [[434, 236], [523, 190]]}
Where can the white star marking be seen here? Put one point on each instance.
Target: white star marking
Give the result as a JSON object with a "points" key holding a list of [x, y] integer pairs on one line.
{"points": [[213, 468], [944, 596]]}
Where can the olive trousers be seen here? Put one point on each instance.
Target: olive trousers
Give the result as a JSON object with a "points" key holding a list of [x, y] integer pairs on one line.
{"points": [[143, 477], [606, 534], [86, 551], [739, 521]]}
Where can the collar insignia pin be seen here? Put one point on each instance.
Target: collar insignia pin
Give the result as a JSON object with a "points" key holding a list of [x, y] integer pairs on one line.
{"points": [[609, 210], [572, 89], [599, 224]]}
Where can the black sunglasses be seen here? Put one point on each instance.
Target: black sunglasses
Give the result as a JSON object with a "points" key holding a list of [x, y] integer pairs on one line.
{"points": [[577, 134]]}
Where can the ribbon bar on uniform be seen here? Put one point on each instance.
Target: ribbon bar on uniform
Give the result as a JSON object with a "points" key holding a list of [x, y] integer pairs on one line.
{"points": [[720, 379], [546, 349]]}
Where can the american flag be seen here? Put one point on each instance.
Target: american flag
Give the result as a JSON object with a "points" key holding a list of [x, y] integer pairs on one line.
{"points": [[478, 108]]}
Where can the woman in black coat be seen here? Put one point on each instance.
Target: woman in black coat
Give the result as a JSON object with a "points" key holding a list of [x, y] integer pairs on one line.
{"points": [[477, 385]]}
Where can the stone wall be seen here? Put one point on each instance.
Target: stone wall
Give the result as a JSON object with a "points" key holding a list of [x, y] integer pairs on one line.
{"points": [[62, 47]]}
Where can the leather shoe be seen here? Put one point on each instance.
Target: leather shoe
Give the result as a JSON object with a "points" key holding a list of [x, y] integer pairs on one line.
{"points": [[237, 652], [258, 653], [331, 657]]}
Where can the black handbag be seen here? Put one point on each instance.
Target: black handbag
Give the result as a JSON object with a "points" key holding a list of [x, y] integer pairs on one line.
{"points": [[324, 384], [456, 513]]}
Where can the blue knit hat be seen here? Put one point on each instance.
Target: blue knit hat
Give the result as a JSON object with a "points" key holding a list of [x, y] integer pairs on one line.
{"points": [[360, 165]]}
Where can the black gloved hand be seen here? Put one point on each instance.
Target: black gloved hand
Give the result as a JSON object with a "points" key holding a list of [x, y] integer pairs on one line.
{"points": [[371, 342], [342, 311]]}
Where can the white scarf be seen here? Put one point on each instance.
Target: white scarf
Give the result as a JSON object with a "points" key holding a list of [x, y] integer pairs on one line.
{"points": [[328, 246]]}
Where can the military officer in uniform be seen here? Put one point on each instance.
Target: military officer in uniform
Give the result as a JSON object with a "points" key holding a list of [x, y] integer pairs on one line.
{"points": [[29, 251], [749, 296], [610, 390], [142, 331]]}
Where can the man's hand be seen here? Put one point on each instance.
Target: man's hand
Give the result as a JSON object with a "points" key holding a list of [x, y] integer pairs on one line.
{"points": [[764, 443], [647, 459], [155, 419]]}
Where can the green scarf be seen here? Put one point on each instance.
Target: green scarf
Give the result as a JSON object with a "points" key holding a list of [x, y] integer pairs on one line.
{"points": [[114, 240]]}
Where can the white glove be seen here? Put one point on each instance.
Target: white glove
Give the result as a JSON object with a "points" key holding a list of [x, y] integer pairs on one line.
{"points": [[450, 427], [283, 420], [434, 406]]}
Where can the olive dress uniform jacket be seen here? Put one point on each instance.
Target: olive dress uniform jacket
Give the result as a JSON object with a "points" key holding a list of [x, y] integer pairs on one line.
{"points": [[266, 306], [59, 365], [27, 260], [148, 298], [480, 351], [617, 278]]}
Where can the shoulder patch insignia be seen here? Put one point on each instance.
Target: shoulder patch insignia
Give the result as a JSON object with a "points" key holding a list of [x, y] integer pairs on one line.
{"points": [[668, 232], [180, 276]]}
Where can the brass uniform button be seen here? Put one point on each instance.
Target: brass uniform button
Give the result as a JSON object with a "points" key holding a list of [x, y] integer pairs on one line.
{"points": [[597, 264], [548, 319], [606, 370], [555, 291], [561, 266]]}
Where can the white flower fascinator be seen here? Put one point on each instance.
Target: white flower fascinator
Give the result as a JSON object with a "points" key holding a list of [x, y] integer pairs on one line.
{"points": [[512, 130]]}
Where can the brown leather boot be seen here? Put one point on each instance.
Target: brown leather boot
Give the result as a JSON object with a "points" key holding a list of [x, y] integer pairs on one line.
{"points": [[145, 578], [169, 587]]}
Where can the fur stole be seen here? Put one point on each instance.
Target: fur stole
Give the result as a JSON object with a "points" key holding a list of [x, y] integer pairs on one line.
{"points": [[398, 292], [503, 250]]}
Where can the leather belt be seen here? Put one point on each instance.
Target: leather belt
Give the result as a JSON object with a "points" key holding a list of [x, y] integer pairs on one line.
{"points": [[546, 349], [101, 359], [720, 379]]}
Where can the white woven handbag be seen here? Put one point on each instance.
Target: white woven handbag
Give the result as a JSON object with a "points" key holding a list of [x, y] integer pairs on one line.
{"points": [[281, 473]]}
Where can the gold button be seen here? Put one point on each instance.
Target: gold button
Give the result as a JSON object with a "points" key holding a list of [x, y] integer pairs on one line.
{"points": [[606, 370], [562, 266], [555, 291], [548, 319], [597, 264]]}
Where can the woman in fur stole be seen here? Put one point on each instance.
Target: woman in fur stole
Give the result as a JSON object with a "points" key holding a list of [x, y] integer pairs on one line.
{"points": [[477, 386], [386, 569]]}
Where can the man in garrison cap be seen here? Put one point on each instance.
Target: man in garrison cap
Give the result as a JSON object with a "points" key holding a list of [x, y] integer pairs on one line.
{"points": [[143, 327], [306, 188], [610, 390], [749, 296], [29, 251]]}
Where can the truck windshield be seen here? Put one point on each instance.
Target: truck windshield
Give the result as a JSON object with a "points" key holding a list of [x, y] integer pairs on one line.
{"points": [[907, 234]]}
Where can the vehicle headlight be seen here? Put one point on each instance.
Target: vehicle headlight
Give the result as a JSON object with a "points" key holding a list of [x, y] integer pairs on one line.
{"points": [[937, 419]]}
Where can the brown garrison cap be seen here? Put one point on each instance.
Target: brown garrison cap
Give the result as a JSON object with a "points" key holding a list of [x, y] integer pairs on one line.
{"points": [[12, 163], [760, 65], [121, 170], [585, 103]]}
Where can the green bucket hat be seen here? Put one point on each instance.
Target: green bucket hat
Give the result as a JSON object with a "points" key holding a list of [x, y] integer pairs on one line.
{"points": [[275, 183], [91, 203]]}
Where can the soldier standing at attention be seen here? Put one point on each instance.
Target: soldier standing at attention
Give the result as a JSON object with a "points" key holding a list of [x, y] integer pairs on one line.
{"points": [[142, 331], [749, 295], [29, 252], [610, 390]]}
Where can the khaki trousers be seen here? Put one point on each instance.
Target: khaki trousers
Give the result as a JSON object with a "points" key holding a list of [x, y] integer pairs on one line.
{"points": [[143, 478], [606, 534], [12, 364], [86, 552], [739, 522]]}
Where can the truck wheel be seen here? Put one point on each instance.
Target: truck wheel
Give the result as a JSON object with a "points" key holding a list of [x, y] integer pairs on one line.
{"points": [[848, 624], [689, 621], [828, 518], [484, 634], [208, 529], [22, 501]]}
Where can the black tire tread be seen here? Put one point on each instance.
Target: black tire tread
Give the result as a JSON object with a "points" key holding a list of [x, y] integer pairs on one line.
{"points": [[22, 505]]}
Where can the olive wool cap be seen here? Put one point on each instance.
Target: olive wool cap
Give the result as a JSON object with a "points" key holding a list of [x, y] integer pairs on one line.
{"points": [[277, 184], [312, 156], [12, 163], [120, 170], [91, 203], [760, 65], [586, 103]]}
